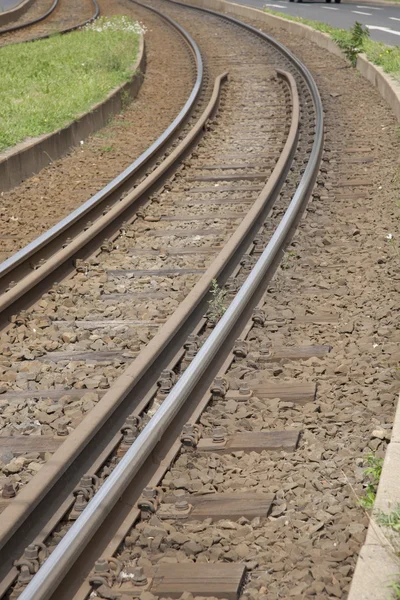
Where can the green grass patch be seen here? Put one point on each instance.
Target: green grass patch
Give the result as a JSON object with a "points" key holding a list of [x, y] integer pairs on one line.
{"points": [[47, 84], [387, 57]]}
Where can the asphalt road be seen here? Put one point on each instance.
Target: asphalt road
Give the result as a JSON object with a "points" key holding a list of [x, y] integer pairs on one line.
{"points": [[382, 21]]}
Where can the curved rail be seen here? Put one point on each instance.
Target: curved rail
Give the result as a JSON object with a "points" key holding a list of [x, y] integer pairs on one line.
{"points": [[33, 22], [33, 497], [77, 443], [29, 253], [72, 544], [94, 16]]}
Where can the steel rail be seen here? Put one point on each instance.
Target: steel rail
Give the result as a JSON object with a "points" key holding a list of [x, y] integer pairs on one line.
{"points": [[72, 544], [142, 374], [72, 455], [94, 16], [27, 254], [29, 23]]}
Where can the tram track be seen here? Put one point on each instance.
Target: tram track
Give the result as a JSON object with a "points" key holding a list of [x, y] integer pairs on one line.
{"points": [[57, 248], [164, 352], [43, 20]]}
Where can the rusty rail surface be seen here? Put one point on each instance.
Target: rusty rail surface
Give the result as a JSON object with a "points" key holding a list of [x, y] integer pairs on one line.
{"points": [[15, 516], [29, 23], [94, 16], [86, 224], [154, 358], [98, 434]]}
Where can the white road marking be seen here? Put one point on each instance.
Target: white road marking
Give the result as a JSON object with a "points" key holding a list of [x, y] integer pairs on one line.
{"points": [[358, 12], [369, 7], [275, 5], [394, 18], [329, 8], [385, 29]]}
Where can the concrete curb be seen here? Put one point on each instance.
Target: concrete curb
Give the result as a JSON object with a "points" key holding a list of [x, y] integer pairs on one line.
{"points": [[388, 88], [374, 2], [29, 157], [377, 566], [11, 15]]}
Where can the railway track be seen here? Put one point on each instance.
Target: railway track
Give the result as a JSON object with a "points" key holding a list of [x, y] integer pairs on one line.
{"points": [[47, 17], [122, 355]]}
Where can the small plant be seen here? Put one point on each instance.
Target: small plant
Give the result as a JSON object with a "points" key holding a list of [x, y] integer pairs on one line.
{"points": [[107, 149], [216, 306], [355, 44], [104, 134], [368, 500], [395, 587], [288, 257], [125, 98], [394, 246], [373, 472], [391, 520], [374, 469]]}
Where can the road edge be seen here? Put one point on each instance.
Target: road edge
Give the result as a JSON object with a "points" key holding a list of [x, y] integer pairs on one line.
{"points": [[28, 158], [387, 86], [374, 2]]}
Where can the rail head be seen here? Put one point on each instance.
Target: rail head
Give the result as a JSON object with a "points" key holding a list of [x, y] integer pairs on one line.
{"points": [[27, 252], [45, 581], [31, 495], [94, 16], [29, 23]]}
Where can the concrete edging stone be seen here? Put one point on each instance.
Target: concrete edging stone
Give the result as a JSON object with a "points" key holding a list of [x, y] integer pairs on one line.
{"points": [[377, 566], [29, 157], [374, 2], [386, 85], [14, 13]]}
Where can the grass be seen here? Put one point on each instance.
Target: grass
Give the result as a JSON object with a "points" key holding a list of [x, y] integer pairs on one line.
{"points": [[395, 587], [48, 83], [216, 307], [387, 57], [373, 472], [391, 521]]}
